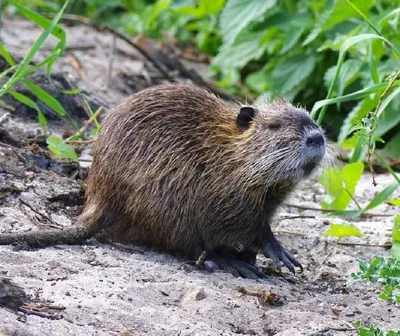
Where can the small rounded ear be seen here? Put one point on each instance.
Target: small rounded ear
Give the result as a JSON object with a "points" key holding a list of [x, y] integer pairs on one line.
{"points": [[245, 117]]}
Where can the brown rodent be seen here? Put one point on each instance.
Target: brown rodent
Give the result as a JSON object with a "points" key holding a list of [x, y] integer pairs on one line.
{"points": [[178, 169]]}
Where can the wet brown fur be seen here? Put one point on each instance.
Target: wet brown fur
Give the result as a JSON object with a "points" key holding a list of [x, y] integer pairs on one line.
{"points": [[172, 169]]}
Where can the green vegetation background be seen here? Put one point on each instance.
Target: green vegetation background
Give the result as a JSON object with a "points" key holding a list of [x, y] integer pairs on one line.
{"points": [[270, 47]]}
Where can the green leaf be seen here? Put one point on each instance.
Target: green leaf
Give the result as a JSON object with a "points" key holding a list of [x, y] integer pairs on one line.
{"points": [[291, 72], [340, 185], [343, 230], [348, 74], [337, 13], [359, 111], [57, 146], [237, 15], [395, 250], [43, 22], [246, 47], [46, 98], [351, 96], [395, 202], [33, 50], [201, 9], [388, 168], [351, 174], [6, 106], [392, 147], [6, 55], [388, 112], [381, 196], [5, 72], [71, 91], [291, 39], [29, 102]]}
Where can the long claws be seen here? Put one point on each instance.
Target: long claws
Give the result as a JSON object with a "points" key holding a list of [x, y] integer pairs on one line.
{"points": [[279, 255]]}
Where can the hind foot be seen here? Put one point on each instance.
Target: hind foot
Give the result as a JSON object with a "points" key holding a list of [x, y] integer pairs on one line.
{"points": [[212, 261]]}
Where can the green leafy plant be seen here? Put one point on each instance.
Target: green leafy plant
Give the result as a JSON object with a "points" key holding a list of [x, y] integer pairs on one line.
{"points": [[373, 331], [386, 273], [60, 148], [21, 71]]}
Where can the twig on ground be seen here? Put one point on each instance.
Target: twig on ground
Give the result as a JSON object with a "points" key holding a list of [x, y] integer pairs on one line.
{"points": [[335, 329], [294, 217], [386, 245], [40, 314], [47, 218], [289, 233], [80, 142], [90, 120], [367, 214], [2, 144]]}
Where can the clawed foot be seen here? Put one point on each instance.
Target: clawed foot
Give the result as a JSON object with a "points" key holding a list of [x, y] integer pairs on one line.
{"points": [[213, 261], [272, 249]]}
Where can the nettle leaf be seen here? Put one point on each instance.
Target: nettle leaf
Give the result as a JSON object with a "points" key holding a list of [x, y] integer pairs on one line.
{"points": [[257, 81], [349, 72], [57, 146], [291, 39], [339, 12], [238, 14], [343, 230], [246, 47], [340, 185], [343, 11], [291, 72]]}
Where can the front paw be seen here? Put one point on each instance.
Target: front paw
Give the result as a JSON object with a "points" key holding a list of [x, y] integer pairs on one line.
{"points": [[272, 249]]}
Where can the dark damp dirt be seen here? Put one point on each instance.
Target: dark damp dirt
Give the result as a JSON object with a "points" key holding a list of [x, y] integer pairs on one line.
{"points": [[105, 290]]}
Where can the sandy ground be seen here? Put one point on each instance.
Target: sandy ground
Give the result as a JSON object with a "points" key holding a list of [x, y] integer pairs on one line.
{"points": [[112, 291], [109, 291]]}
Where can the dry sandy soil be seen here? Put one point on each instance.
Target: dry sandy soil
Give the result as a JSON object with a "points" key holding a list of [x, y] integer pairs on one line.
{"points": [[109, 290]]}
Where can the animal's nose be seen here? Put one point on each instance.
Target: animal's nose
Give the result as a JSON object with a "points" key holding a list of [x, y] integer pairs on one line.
{"points": [[315, 140]]}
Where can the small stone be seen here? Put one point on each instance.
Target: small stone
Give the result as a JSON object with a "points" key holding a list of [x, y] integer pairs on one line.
{"points": [[200, 295]]}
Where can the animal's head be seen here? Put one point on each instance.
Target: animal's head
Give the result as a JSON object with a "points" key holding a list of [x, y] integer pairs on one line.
{"points": [[282, 140]]}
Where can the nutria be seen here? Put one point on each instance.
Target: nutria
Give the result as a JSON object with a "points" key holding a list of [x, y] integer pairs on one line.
{"points": [[179, 169]]}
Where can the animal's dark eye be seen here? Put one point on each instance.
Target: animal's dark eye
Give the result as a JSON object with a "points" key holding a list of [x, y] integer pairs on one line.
{"points": [[274, 126], [245, 117]]}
